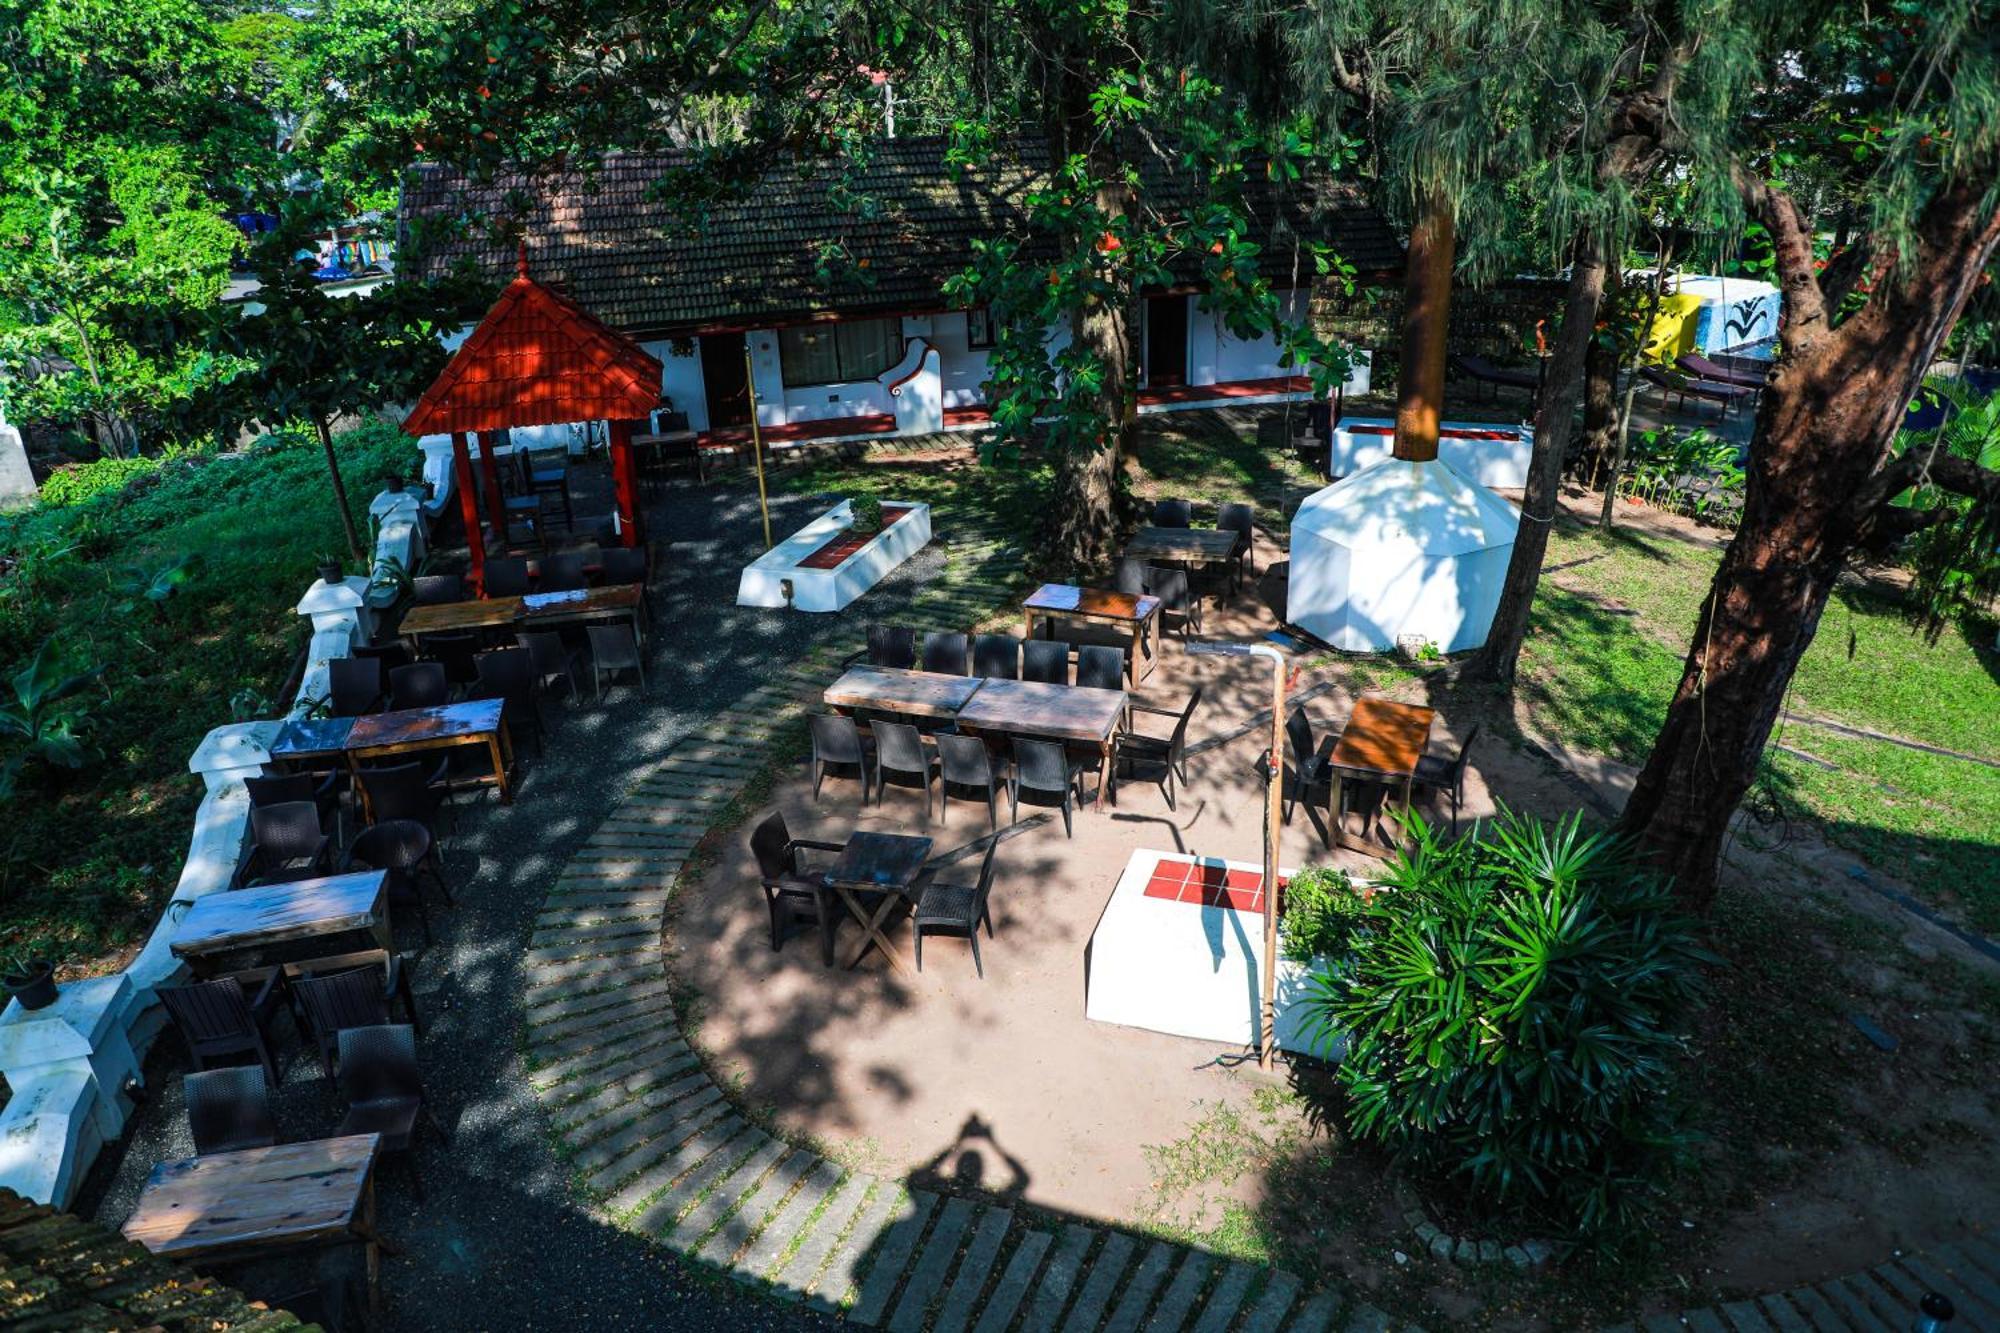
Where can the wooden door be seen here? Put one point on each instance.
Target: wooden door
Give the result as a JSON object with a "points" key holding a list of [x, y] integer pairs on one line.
{"points": [[725, 380], [1166, 341]]}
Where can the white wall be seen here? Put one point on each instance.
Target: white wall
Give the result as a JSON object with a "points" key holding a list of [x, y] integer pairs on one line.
{"points": [[680, 379], [1245, 358], [963, 366]]}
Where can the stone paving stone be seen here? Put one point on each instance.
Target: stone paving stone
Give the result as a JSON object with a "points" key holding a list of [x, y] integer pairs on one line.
{"points": [[1225, 1300], [1052, 1292], [727, 1192], [1952, 1271], [658, 1176], [891, 1256], [1895, 1311], [1818, 1312], [551, 1050], [593, 973], [1745, 1318], [1279, 1293], [692, 1090], [973, 1271], [564, 1008], [1102, 1280], [1982, 1251], [1182, 1292], [1901, 1286], [632, 948], [1854, 1305], [572, 1106], [646, 1158], [1013, 1284], [927, 1276], [1145, 1281], [662, 1215], [1316, 1315], [549, 935], [1782, 1316], [649, 1043], [843, 1233], [657, 1004], [612, 1157], [737, 1229], [783, 1228], [586, 905], [1662, 1323], [1365, 1318], [1704, 1321]]}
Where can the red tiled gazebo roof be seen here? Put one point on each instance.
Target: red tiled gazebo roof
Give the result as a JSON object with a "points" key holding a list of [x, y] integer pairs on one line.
{"points": [[538, 359]]}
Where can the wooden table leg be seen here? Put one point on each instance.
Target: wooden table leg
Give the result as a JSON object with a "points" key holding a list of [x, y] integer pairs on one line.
{"points": [[494, 746], [1104, 771], [873, 927], [371, 1248]]}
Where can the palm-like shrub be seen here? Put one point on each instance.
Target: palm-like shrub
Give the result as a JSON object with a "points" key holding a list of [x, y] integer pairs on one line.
{"points": [[1511, 1006]]}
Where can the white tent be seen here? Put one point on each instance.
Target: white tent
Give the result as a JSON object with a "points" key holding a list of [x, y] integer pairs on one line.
{"points": [[1400, 548]]}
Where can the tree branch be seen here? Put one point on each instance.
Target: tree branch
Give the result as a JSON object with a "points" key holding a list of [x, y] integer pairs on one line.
{"points": [[1842, 272], [1791, 241]]}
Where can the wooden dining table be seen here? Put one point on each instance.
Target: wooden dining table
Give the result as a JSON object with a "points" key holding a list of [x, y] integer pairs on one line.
{"points": [[880, 863], [620, 601], [1191, 546], [257, 1201], [1075, 714], [1382, 743], [402, 731], [901, 690], [219, 924], [1137, 616]]}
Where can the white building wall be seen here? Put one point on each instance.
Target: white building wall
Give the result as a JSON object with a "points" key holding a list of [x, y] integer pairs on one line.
{"points": [[963, 367], [680, 378]]}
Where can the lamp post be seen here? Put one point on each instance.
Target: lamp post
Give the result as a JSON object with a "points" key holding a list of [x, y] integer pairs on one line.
{"points": [[756, 443], [1274, 801]]}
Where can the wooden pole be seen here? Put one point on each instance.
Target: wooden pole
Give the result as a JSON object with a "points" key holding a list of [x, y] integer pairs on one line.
{"points": [[496, 501], [1274, 804], [757, 444], [625, 476], [1426, 322]]}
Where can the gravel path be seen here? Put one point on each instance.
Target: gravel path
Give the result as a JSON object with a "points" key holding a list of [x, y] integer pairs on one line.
{"points": [[498, 1241]]}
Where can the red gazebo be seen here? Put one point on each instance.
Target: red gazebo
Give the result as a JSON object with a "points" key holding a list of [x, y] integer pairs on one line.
{"points": [[538, 359]]}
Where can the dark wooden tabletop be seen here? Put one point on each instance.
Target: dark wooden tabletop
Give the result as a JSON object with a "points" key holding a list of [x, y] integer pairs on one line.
{"points": [[491, 612], [1199, 545], [1097, 603], [305, 737], [274, 913], [1033, 708], [293, 1194], [1383, 736], [898, 690], [879, 861], [472, 717]]}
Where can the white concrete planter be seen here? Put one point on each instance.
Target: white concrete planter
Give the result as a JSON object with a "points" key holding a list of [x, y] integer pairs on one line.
{"points": [[1188, 968], [1488, 452], [763, 582]]}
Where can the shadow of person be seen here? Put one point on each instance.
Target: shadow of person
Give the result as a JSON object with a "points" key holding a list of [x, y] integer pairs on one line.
{"points": [[962, 1164]]}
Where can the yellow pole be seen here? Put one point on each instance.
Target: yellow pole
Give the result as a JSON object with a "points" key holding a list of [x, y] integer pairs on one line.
{"points": [[757, 444], [1274, 804]]}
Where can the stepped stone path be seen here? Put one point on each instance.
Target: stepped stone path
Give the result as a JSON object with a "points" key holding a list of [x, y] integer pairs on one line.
{"points": [[658, 1148]]}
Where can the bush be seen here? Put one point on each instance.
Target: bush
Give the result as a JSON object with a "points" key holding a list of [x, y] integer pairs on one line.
{"points": [[1321, 910], [79, 482], [1511, 1007]]}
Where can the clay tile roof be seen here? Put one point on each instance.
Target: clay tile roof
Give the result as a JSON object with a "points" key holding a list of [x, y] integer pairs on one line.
{"points": [[538, 359], [894, 225]]}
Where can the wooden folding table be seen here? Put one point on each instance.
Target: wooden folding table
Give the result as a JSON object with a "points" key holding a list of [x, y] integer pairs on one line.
{"points": [[1382, 743], [219, 924], [1137, 616], [1056, 712]]}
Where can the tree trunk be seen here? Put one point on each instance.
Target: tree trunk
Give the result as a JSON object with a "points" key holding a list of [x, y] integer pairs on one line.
{"points": [[1600, 384], [339, 488], [1426, 326], [1498, 659], [1818, 479]]}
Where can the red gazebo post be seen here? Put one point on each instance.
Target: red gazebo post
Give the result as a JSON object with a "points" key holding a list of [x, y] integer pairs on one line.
{"points": [[468, 506], [496, 499], [625, 476]]}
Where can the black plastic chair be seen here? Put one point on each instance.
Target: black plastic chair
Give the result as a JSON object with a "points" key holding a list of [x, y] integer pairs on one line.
{"points": [[1130, 576], [892, 646], [996, 657], [1240, 519], [1177, 599], [900, 758], [354, 685], [966, 764], [384, 1090], [287, 842], [1172, 514], [1166, 756], [437, 589], [506, 576], [614, 648], [333, 999], [406, 791], [229, 1109], [1045, 660], [956, 909], [791, 894], [564, 572], [547, 475], [509, 674], [945, 652], [622, 565], [1445, 775], [221, 1018], [390, 655], [552, 660], [322, 790], [1309, 772], [402, 847], [839, 746], [457, 653], [1100, 667], [1049, 774], [419, 685]]}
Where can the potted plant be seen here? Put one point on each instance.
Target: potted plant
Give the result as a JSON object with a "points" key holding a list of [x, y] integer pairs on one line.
{"points": [[31, 981], [866, 513], [394, 483], [329, 569]]}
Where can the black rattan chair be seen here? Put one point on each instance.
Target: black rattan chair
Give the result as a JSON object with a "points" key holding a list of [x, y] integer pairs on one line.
{"points": [[390, 655], [509, 674], [321, 789], [1172, 514], [564, 572], [892, 646], [1045, 660], [552, 660], [841, 750], [1165, 757], [1130, 576], [791, 894], [384, 1090], [1308, 772], [403, 848], [622, 565], [287, 842], [1047, 774], [996, 657], [900, 757], [354, 685], [419, 685], [334, 999], [406, 791], [228, 1109], [1445, 775], [506, 576], [1100, 667], [945, 652], [437, 589], [965, 764], [1240, 519], [222, 1018], [614, 648], [457, 653], [1177, 599], [956, 909]]}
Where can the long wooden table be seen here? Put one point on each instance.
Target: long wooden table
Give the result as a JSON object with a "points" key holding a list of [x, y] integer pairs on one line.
{"points": [[405, 731], [623, 600], [222, 923], [902, 690], [1138, 616], [1194, 546], [241, 1205], [1073, 713], [1382, 742]]}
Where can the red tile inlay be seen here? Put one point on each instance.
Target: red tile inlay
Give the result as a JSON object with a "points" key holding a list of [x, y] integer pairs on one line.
{"points": [[1182, 879], [847, 543]]}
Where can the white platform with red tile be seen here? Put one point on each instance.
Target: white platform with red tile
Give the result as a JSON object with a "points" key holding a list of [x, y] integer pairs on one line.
{"points": [[1488, 452]]}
